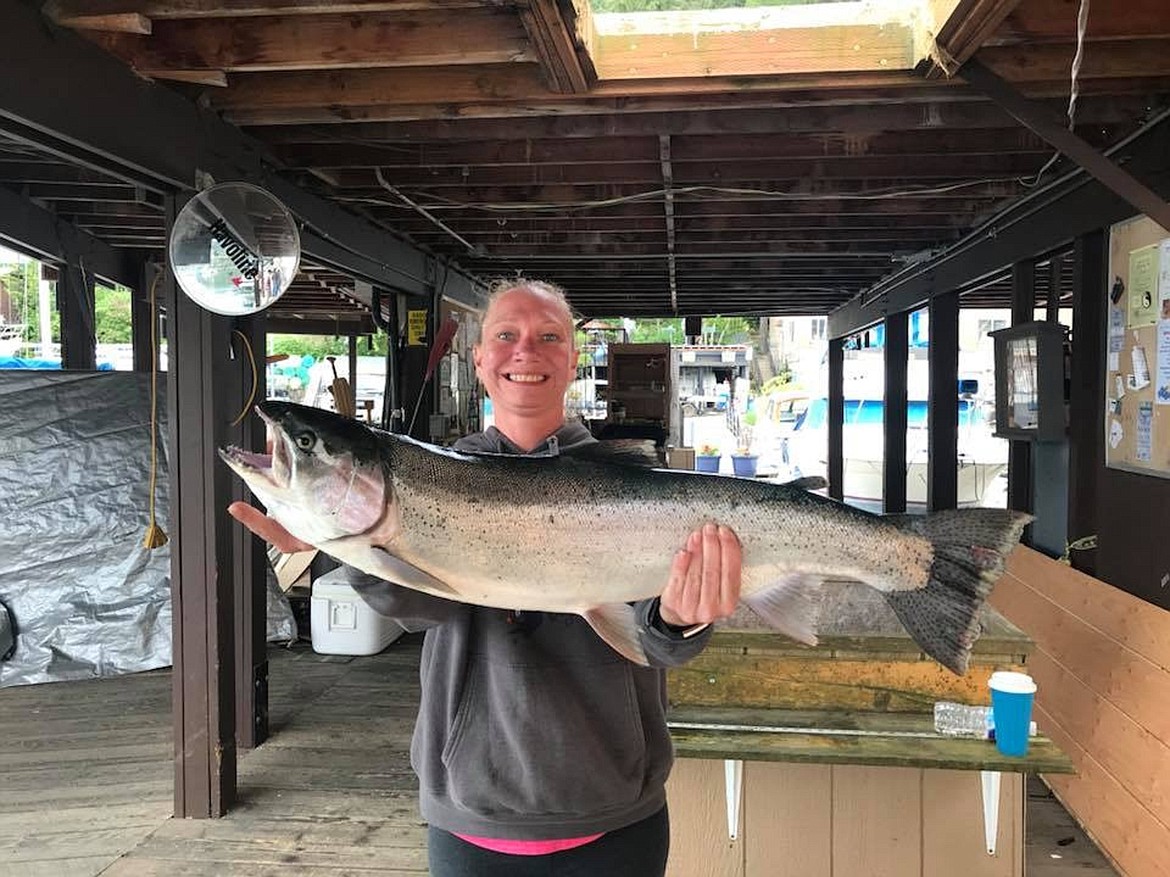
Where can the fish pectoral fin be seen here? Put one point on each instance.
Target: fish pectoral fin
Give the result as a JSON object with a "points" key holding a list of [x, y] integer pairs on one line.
{"points": [[381, 562], [790, 606], [617, 624]]}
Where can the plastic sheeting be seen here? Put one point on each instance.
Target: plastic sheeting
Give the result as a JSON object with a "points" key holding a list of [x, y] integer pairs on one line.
{"points": [[84, 597]]}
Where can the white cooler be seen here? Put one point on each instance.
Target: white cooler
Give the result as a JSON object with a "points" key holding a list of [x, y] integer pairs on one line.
{"points": [[342, 623]]}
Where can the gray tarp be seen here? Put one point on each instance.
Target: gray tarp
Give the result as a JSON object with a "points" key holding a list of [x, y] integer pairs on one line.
{"points": [[86, 599]]}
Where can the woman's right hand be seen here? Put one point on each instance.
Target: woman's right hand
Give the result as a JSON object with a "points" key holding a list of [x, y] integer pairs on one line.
{"points": [[267, 528]]}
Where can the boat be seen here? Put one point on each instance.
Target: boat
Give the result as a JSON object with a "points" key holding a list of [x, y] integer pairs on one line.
{"points": [[981, 461]]}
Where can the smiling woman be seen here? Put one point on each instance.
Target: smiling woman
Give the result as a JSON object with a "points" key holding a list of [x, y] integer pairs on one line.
{"points": [[526, 358]]}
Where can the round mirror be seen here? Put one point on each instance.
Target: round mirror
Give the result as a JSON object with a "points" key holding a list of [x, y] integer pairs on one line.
{"points": [[234, 249]]}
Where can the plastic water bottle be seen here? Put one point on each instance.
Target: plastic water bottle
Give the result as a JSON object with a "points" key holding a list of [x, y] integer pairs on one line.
{"points": [[963, 720]]}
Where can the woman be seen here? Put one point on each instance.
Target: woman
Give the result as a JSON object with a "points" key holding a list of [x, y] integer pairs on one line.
{"points": [[540, 750]]}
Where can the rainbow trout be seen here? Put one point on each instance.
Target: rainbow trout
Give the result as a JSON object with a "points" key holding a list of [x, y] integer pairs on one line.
{"points": [[584, 534]]}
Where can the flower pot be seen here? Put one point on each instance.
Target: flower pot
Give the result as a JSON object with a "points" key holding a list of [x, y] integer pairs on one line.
{"points": [[706, 463], [745, 464]]}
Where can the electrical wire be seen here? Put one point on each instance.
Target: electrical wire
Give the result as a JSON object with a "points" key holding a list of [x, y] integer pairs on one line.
{"points": [[441, 203], [255, 378], [1074, 91]]}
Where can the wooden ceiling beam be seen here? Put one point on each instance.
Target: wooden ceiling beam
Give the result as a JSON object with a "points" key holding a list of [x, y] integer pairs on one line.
{"points": [[560, 32], [962, 32], [740, 172], [718, 98], [109, 22], [958, 112], [502, 83], [321, 42], [610, 151], [1056, 21], [63, 11], [1103, 59]]}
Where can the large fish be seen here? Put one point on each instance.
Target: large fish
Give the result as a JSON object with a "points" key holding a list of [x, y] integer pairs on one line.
{"points": [[583, 534]]}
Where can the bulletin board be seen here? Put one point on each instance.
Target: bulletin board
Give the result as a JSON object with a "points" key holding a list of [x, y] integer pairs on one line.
{"points": [[1137, 361]]}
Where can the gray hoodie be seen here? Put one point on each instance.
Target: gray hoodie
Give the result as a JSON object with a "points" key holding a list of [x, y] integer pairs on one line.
{"points": [[529, 725]]}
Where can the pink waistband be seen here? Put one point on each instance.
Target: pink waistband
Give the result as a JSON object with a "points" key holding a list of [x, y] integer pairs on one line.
{"points": [[528, 847]]}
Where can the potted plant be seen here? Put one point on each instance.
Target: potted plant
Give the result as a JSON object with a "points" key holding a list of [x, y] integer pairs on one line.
{"points": [[744, 460], [707, 458]]}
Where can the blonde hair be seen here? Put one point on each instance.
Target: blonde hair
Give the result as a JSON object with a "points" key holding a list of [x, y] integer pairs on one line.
{"points": [[503, 285]]}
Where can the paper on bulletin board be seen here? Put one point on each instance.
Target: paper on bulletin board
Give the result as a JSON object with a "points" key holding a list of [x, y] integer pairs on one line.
{"points": [[1116, 333], [1142, 289], [1164, 278], [1162, 375], [1145, 431]]}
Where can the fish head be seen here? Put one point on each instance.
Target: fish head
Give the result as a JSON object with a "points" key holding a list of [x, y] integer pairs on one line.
{"points": [[323, 478]]}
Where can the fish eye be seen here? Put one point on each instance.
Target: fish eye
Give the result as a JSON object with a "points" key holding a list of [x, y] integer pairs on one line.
{"points": [[306, 441]]}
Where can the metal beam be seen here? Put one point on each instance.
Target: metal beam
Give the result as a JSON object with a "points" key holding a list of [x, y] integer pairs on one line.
{"points": [[151, 130], [1043, 124], [36, 232], [1071, 206]]}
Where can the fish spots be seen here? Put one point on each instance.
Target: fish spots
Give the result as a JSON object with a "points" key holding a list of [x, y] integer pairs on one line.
{"points": [[552, 519]]}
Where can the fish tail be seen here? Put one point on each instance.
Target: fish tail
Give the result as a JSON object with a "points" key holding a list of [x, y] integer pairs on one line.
{"points": [[970, 551]]}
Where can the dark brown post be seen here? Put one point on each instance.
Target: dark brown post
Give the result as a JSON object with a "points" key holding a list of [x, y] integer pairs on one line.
{"points": [[894, 408], [1020, 452], [1086, 450], [942, 489], [203, 648], [836, 418]]}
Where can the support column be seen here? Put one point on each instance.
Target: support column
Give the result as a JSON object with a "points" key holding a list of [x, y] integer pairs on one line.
{"points": [[75, 302], [942, 490], [1087, 391], [1020, 452], [202, 398], [894, 406], [836, 418]]}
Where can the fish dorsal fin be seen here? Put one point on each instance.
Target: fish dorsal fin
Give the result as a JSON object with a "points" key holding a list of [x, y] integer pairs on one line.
{"points": [[790, 605], [617, 624], [631, 452]]}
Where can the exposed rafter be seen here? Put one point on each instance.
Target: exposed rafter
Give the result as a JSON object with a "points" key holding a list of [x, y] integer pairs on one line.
{"points": [[1040, 122], [560, 31]]}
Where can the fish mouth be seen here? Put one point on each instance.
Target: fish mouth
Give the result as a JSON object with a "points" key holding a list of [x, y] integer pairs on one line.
{"points": [[273, 468]]}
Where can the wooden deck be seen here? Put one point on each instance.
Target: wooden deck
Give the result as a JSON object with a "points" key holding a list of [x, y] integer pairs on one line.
{"points": [[86, 771]]}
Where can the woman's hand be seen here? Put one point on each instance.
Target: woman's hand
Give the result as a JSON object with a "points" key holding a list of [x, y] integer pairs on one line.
{"points": [[704, 578], [267, 528]]}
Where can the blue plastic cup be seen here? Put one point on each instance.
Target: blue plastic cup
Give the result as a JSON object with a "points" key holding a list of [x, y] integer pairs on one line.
{"points": [[1011, 708]]}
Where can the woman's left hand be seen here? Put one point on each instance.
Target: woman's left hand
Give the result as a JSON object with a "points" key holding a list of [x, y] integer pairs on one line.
{"points": [[704, 578]]}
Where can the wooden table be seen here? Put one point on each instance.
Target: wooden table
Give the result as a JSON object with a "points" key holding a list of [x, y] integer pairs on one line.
{"points": [[830, 765]]}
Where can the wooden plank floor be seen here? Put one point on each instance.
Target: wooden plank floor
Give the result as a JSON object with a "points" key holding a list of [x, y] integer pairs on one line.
{"points": [[86, 772]]}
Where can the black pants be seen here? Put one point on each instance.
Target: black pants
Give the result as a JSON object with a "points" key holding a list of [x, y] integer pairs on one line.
{"points": [[638, 850]]}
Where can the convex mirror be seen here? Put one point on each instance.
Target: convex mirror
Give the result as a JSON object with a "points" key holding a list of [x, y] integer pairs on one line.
{"points": [[234, 249]]}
